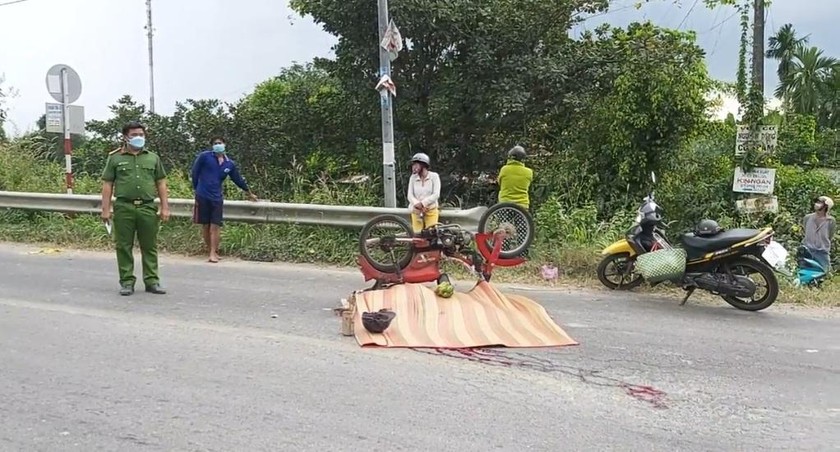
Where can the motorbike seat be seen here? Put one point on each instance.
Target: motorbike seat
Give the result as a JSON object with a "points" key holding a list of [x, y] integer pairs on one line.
{"points": [[718, 241]]}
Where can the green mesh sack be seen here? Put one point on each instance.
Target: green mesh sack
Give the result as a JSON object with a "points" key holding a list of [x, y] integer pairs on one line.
{"points": [[662, 265]]}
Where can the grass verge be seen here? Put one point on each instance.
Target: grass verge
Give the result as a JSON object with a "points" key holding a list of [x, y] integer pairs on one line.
{"points": [[336, 247], [570, 237]]}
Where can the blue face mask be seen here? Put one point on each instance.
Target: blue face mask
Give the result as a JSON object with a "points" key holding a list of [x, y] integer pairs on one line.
{"points": [[137, 142], [219, 148]]}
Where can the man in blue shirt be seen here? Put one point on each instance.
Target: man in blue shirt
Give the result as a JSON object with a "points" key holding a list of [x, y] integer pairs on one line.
{"points": [[209, 172]]}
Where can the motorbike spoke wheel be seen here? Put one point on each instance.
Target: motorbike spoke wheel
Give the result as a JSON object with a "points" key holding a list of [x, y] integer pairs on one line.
{"points": [[515, 221], [616, 272], [384, 243], [766, 292]]}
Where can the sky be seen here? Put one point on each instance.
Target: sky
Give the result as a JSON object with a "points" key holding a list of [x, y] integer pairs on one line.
{"points": [[221, 49]]}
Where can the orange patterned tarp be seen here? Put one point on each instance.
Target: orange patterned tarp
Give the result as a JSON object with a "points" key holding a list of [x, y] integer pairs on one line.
{"points": [[481, 317]]}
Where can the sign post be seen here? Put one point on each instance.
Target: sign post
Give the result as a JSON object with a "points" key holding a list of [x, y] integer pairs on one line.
{"points": [[767, 137], [65, 86], [758, 181]]}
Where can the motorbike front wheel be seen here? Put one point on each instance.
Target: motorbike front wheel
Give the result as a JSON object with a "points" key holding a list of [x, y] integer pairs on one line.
{"points": [[621, 265], [747, 267], [392, 251]]}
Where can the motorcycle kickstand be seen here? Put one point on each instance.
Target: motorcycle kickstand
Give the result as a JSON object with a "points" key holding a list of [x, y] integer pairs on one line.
{"points": [[690, 291], [396, 266]]}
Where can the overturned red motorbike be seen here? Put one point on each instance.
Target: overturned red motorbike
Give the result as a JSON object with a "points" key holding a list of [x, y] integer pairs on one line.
{"points": [[391, 253]]}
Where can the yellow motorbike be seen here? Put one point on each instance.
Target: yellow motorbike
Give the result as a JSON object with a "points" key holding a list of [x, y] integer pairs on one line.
{"points": [[717, 261]]}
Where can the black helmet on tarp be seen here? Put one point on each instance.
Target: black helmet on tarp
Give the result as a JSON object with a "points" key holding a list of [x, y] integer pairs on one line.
{"points": [[378, 322]]}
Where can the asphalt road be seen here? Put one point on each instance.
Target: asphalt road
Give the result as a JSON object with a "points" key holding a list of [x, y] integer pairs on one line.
{"points": [[245, 356]]}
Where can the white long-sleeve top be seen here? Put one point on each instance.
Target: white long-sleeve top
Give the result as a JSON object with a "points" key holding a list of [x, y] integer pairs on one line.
{"points": [[426, 190]]}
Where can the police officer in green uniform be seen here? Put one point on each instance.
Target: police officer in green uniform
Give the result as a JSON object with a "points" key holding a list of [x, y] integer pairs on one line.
{"points": [[135, 176]]}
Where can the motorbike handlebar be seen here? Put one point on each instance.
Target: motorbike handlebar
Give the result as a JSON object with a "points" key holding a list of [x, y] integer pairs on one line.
{"points": [[667, 225]]}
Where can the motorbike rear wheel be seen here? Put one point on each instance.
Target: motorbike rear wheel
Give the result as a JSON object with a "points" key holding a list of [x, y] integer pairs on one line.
{"points": [[513, 218], [620, 262], [747, 267]]}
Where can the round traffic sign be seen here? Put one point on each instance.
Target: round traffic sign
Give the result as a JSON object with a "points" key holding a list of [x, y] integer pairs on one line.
{"points": [[54, 81]]}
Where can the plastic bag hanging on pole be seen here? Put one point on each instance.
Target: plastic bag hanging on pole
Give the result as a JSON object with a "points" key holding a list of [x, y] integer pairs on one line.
{"points": [[392, 40], [386, 84]]}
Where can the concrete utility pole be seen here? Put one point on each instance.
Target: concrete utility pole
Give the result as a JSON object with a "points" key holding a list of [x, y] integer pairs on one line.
{"points": [[388, 165], [758, 46], [151, 56]]}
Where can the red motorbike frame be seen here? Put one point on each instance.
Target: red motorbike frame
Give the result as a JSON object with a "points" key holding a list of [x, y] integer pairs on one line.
{"points": [[425, 263]]}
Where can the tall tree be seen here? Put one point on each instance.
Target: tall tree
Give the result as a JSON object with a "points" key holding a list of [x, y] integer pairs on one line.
{"points": [[829, 108], [477, 76], [472, 76], [809, 71], [782, 47], [653, 103], [303, 117]]}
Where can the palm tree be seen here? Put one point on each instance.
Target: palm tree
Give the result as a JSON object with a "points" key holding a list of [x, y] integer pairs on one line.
{"points": [[829, 115], [782, 47], [808, 73]]}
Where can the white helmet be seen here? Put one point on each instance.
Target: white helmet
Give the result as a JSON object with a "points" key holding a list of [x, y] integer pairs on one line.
{"points": [[827, 201], [422, 158]]}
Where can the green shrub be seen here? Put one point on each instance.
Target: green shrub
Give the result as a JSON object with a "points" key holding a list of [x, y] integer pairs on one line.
{"points": [[568, 235]]}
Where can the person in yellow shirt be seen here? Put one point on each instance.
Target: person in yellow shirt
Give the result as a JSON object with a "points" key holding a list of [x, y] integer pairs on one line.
{"points": [[515, 179], [423, 193]]}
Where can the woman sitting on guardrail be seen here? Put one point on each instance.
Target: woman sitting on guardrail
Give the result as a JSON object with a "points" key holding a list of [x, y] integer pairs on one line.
{"points": [[423, 193]]}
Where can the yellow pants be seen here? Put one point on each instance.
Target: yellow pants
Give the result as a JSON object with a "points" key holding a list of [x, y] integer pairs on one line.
{"points": [[430, 218]]}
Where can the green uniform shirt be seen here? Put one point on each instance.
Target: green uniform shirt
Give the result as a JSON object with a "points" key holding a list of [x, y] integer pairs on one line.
{"points": [[514, 181], [134, 176]]}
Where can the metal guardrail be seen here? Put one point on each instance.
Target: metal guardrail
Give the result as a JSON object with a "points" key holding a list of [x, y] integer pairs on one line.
{"points": [[239, 211]]}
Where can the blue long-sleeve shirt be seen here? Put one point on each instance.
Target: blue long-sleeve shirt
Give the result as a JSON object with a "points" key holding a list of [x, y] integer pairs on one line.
{"points": [[208, 175]]}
